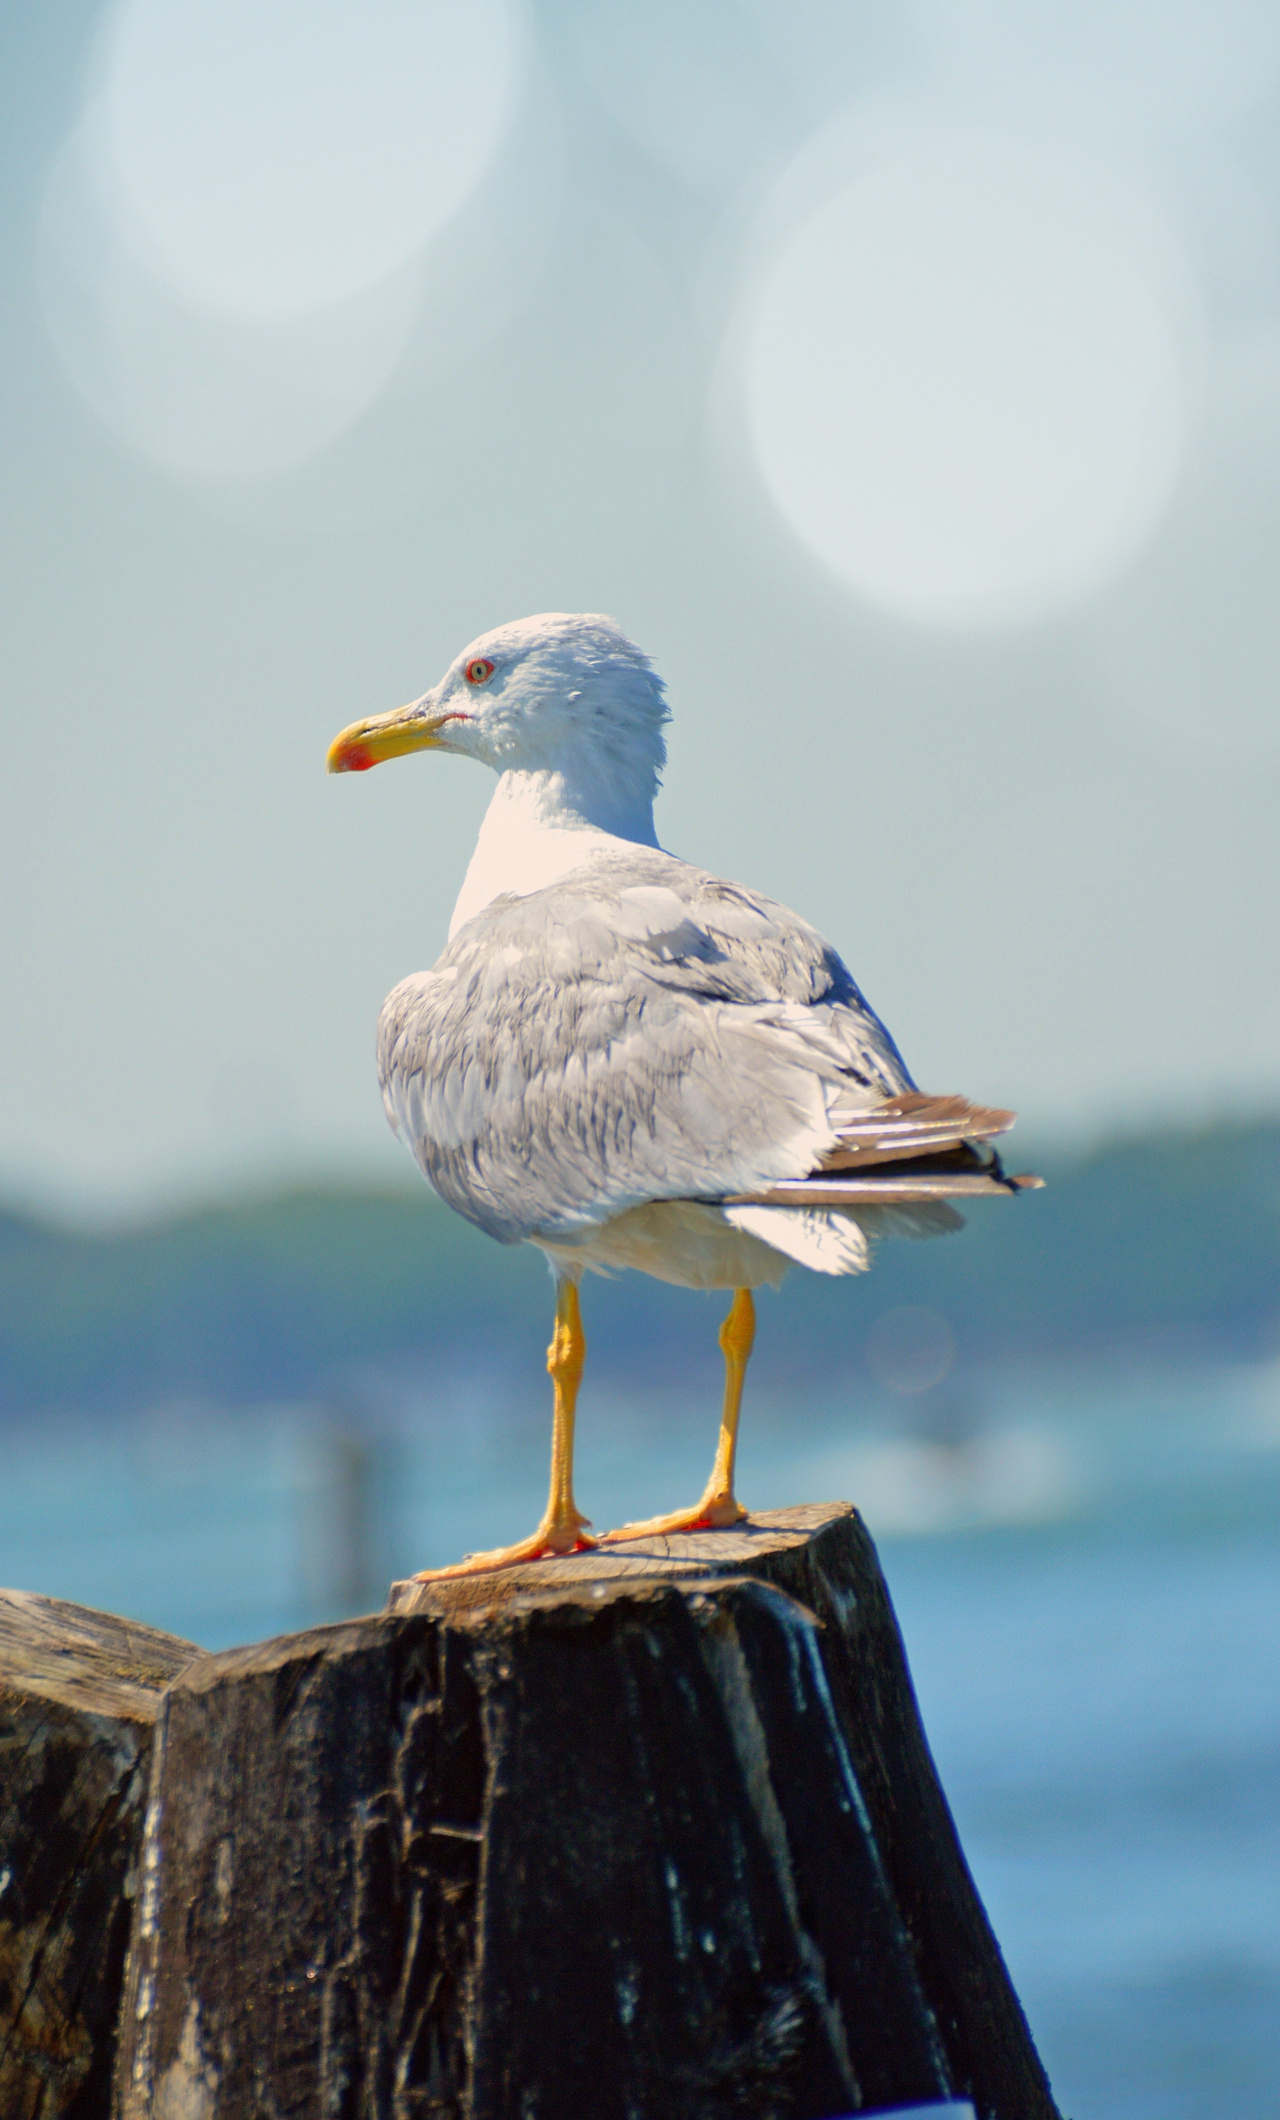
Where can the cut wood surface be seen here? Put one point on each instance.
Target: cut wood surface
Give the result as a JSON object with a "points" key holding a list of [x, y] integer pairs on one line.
{"points": [[760, 1546], [79, 1692], [654, 1832]]}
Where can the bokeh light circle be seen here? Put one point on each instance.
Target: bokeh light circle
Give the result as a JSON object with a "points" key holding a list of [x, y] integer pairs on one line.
{"points": [[281, 155], [910, 1349], [206, 395], [1158, 65], [965, 382]]}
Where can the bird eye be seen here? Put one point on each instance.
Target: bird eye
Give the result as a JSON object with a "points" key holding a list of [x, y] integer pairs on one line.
{"points": [[480, 671]]}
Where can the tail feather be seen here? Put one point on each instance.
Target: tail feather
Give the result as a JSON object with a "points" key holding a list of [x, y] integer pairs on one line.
{"points": [[912, 1125], [893, 1172], [835, 1241], [910, 1149], [893, 1187], [824, 1243]]}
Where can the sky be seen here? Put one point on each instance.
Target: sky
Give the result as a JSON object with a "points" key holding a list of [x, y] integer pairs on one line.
{"points": [[905, 378]]}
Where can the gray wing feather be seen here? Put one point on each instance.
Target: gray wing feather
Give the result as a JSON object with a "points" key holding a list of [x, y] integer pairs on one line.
{"points": [[638, 1031]]}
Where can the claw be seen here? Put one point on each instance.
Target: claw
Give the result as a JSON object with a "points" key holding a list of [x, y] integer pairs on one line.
{"points": [[717, 1513], [548, 1542]]}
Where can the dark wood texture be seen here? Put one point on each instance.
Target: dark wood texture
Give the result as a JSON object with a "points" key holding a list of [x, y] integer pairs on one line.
{"points": [[823, 1556], [600, 1838], [78, 1697]]}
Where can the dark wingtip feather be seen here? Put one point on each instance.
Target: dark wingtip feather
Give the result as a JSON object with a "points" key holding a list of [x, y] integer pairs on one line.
{"points": [[912, 1125]]}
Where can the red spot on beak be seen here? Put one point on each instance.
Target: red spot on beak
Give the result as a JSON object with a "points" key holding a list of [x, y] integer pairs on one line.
{"points": [[358, 761]]}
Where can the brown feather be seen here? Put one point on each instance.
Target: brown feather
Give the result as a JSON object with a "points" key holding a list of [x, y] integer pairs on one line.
{"points": [[912, 1125], [894, 1188]]}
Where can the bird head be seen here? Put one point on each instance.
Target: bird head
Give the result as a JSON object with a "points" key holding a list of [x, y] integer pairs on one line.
{"points": [[563, 693]]}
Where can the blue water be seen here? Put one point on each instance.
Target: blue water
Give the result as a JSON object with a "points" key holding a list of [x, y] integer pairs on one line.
{"points": [[1087, 1571]]}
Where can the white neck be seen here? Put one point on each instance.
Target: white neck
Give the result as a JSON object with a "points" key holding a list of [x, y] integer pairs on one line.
{"points": [[538, 827]]}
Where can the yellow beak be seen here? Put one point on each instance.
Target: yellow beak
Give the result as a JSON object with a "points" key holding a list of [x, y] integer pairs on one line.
{"points": [[367, 743]]}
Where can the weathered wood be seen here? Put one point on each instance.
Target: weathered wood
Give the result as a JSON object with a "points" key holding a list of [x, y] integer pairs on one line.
{"points": [[761, 1545], [823, 1556], [78, 1698], [597, 1853], [636, 1837]]}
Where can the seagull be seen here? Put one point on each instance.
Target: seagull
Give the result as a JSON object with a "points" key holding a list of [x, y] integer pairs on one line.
{"points": [[632, 1063]]}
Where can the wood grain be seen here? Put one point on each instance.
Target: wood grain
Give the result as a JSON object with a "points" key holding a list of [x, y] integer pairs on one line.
{"points": [[79, 1692], [649, 1832]]}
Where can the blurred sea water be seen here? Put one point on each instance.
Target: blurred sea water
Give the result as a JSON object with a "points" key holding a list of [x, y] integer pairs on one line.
{"points": [[1086, 1568]]}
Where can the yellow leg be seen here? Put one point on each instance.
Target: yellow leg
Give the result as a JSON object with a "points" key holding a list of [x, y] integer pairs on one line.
{"points": [[563, 1528], [719, 1506]]}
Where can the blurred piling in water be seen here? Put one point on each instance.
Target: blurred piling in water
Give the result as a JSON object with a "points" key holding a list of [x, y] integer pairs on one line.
{"points": [[348, 1515]]}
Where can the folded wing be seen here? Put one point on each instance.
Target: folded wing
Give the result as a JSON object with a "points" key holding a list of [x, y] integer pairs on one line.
{"points": [[911, 1149]]}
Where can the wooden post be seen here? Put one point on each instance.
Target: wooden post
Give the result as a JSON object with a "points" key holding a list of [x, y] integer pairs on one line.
{"points": [[78, 1698], [647, 1833], [823, 1556]]}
